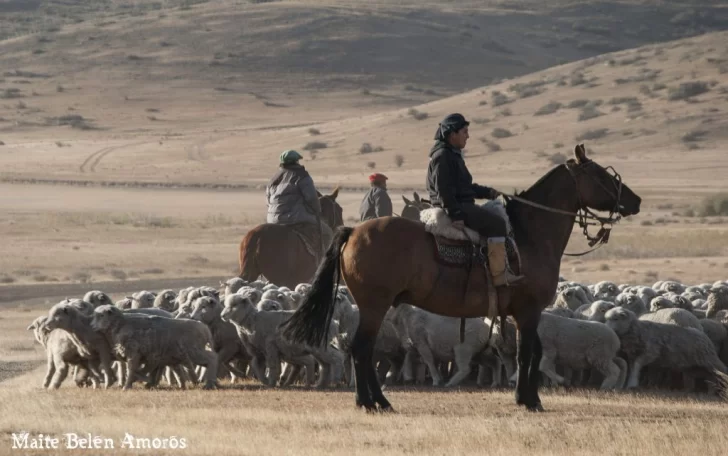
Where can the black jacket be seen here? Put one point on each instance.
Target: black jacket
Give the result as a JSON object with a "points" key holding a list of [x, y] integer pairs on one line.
{"points": [[449, 182]]}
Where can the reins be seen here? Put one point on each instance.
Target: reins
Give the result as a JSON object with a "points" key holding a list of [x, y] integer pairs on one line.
{"points": [[583, 215]]}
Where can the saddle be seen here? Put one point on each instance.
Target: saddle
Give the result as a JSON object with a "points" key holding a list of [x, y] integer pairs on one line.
{"points": [[456, 246]]}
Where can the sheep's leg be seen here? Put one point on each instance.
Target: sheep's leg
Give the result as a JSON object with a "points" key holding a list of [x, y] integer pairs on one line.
{"points": [[132, 364], [382, 369], [429, 360], [634, 373], [50, 369], [290, 373], [393, 373], [611, 372], [273, 363], [408, 375], [258, 370], [60, 375], [548, 367], [463, 356], [348, 370]]}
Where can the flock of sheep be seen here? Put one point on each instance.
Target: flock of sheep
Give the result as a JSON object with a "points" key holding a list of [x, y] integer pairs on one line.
{"points": [[668, 336]]}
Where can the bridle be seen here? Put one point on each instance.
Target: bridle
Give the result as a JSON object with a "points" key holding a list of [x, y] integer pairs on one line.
{"points": [[334, 213], [585, 217]]}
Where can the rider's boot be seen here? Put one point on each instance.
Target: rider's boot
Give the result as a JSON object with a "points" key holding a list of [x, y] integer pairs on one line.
{"points": [[498, 263]]}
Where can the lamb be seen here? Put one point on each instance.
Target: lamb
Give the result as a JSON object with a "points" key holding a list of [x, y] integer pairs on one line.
{"points": [[263, 339], [166, 300], [142, 300], [226, 343], [718, 334], [157, 342], [279, 297], [561, 311], [672, 286], [97, 298], [648, 343], [673, 316], [678, 300], [268, 305], [254, 294], [61, 353], [606, 291], [579, 345], [302, 288], [124, 304], [594, 311], [91, 345], [436, 339], [571, 298], [631, 302], [717, 301], [661, 302]]}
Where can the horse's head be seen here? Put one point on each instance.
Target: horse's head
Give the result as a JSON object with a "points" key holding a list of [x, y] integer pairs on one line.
{"points": [[601, 188], [412, 208], [331, 213]]}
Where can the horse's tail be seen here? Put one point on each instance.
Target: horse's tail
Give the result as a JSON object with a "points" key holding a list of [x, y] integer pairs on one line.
{"points": [[311, 322], [248, 255]]}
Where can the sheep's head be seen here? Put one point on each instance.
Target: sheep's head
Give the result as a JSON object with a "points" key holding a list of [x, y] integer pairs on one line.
{"points": [[605, 290], [166, 300], [37, 323], [273, 295], [620, 319], [569, 299], [142, 300], [269, 306], [269, 286], [82, 306], [97, 298], [105, 317], [231, 286], [124, 304], [237, 308], [61, 316], [631, 302], [303, 289], [254, 294], [672, 286], [206, 309], [717, 300], [599, 309], [661, 302]]}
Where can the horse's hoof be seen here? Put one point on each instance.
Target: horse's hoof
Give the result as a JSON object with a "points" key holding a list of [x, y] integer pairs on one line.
{"points": [[387, 409], [535, 408]]}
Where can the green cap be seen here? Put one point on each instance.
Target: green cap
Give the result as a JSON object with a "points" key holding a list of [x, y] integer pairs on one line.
{"points": [[290, 156]]}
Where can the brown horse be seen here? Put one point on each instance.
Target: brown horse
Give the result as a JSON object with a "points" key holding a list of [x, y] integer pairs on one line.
{"points": [[278, 253], [392, 260]]}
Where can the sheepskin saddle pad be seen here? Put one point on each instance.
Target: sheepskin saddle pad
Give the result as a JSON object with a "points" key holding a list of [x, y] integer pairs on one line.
{"points": [[439, 223]]}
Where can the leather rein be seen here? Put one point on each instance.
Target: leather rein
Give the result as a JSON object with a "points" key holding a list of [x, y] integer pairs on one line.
{"points": [[585, 217]]}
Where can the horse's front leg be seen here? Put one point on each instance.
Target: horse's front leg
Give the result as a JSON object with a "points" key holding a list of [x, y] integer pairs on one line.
{"points": [[529, 358], [524, 341], [534, 373]]}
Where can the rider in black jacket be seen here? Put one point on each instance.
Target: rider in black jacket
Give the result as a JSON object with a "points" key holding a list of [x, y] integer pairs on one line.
{"points": [[451, 187]]}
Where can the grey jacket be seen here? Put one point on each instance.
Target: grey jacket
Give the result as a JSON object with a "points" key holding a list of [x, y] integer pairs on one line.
{"points": [[292, 197], [375, 204]]}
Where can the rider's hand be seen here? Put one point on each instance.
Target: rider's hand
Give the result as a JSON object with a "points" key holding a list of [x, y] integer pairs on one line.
{"points": [[458, 224], [495, 194]]}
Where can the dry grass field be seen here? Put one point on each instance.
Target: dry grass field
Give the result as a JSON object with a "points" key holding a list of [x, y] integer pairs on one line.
{"points": [[136, 138]]}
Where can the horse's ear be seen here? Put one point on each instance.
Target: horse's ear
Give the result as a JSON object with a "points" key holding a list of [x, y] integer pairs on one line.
{"points": [[406, 201], [570, 163], [335, 193], [580, 154], [417, 197]]}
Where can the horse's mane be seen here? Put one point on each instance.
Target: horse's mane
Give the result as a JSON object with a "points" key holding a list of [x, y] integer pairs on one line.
{"points": [[512, 206]]}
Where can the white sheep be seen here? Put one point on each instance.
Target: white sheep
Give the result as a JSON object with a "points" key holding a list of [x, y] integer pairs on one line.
{"points": [[166, 300], [594, 311], [631, 302], [673, 316], [97, 298], [143, 300], [646, 343]]}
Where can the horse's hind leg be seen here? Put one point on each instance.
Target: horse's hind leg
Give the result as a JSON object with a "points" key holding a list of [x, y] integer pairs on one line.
{"points": [[368, 391]]}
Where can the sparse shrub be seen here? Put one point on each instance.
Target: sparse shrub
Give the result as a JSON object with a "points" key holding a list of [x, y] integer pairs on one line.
{"points": [[21, 105], [604, 267], [118, 274], [687, 90], [2, 143], [713, 206], [505, 112], [482, 103], [580, 103], [591, 135], [557, 159], [315, 145], [314, 131], [6, 279], [367, 148], [11, 93], [365, 92], [371, 165], [558, 145], [577, 79], [646, 223], [60, 89], [417, 115], [492, 146], [152, 110], [153, 271], [133, 57], [480, 120], [549, 108], [589, 112], [152, 118], [501, 133], [498, 98], [398, 160], [528, 89], [694, 136]]}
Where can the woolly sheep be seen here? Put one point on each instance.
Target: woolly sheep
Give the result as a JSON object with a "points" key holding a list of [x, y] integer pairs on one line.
{"points": [[157, 342], [90, 344], [672, 286], [606, 290], [124, 303], [268, 305], [254, 294], [571, 298], [152, 311], [631, 302], [97, 298], [561, 311], [279, 297], [303, 288], [226, 343], [646, 343], [61, 353], [717, 300], [718, 334], [166, 300], [679, 301], [661, 302], [142, 300], [594, 311], [231, 286], [673, 316], [260, 333]]}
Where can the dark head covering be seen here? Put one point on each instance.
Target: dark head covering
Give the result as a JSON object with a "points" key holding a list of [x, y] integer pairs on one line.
{"points": [[453, 122]]}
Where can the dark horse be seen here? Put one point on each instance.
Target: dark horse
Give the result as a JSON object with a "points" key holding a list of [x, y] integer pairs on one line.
{"points": [[278, 253], [412, 208], [391, 260]]}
